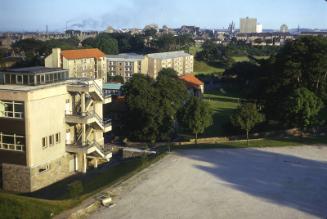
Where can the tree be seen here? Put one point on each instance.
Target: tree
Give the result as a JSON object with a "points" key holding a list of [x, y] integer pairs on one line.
{"points": [[247, 117], [153, 106], [302, 108], [195, 116], [89, 42], [107, 44], [141, 121], [172, 93], [116, 79], [299, 64]]}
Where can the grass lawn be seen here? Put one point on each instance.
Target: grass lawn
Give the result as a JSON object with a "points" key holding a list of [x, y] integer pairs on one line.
{"points": [[194, 49], [201, 67], [241, 58], [223, 104], [262, 57], [16, 206], [55, 199], [269, 142]]}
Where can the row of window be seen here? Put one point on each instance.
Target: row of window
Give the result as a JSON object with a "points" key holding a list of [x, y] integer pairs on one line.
{"points": [[51, 140], [12, 142], [35, 79], [12, 109]]}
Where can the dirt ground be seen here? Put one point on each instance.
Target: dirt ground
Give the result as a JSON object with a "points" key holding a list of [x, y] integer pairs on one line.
{"points": [[288, 182]]}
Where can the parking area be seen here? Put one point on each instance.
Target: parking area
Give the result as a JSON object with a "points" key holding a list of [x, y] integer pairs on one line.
{"points": [[289, 182]]}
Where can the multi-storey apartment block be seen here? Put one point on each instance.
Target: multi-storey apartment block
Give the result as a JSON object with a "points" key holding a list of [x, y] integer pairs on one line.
{"points": [[50, 127], [82, 63], [179, 61], [126, 65]]}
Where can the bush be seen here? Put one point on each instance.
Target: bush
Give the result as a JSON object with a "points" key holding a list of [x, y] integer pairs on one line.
{"points": [[75, 189]]}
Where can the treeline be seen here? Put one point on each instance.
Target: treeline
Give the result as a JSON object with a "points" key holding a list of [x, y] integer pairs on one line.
{"points": [[290, 88], [34, 51]]}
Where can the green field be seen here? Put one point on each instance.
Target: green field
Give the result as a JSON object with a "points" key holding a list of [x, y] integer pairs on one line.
{"points": [[201, 67], [194, 49], [241, 58], [223, 103]]}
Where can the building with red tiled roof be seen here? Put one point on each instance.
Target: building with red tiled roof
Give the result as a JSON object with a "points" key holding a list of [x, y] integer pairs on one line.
{"points": [[80, 63], [82, 54], [193, 84]]}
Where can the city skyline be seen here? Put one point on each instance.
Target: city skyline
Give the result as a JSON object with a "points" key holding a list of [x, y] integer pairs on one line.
{"points": [[34, 15]]}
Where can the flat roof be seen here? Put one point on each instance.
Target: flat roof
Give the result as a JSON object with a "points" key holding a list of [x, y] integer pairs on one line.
{"points": [[112, 86], [125, 57], [33, 70], [168, 55], [26, 88]]}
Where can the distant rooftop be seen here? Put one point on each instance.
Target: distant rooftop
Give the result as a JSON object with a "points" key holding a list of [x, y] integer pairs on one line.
{"points": [[126, 57], [168, 55], [33, 70]]}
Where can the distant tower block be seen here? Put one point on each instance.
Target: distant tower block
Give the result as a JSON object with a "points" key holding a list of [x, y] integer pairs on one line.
{"points": [[284, 28], [248, 25]]}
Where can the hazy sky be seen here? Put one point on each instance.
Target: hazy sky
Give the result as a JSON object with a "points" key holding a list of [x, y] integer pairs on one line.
{"points": [[98, 14]]}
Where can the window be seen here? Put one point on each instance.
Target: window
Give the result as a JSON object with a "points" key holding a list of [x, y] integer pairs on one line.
{"points": [[19, 79], [44, 168], [11, 109], [11, 142], [57, 138], [44, 142], [51, 140]]}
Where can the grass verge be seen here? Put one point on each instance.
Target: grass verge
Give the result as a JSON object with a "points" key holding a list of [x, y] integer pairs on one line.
{"points": [[23, 207], [262, 143]]}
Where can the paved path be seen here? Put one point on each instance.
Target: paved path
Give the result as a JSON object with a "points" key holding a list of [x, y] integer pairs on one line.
{"points": [[238, 183]]}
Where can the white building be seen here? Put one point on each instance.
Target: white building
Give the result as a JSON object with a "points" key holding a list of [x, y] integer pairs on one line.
{"points": [[259, 28]]}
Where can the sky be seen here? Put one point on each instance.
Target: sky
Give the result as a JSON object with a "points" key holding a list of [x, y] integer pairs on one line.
{"points": [[34, 15]]}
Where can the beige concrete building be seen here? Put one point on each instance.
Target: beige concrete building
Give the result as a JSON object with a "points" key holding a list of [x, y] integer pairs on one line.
{"points": [[126, 65], [82, 63], [50, 127], [179, 61], [248, 25]]}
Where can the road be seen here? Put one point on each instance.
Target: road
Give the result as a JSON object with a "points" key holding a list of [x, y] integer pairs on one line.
{"points": [[289, 182]]}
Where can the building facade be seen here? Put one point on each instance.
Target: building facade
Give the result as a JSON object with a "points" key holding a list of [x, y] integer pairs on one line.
{"points": [[82, 63], [125, 65], [51, 127], [248, 25], [180, 61]]}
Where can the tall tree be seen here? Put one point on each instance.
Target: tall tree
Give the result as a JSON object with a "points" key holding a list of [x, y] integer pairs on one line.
{"points": [[142, 120], [247, 117], [172, 93], [107, 44], [195, 116], [302, 108], [153, 105]]}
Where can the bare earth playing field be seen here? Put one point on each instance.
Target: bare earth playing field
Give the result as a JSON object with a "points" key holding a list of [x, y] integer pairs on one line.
{"points": [[289, 182]]}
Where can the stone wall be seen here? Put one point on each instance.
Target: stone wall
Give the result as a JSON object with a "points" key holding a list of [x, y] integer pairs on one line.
{"points": [[58, 170], [16, 178], [22, 179]]}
